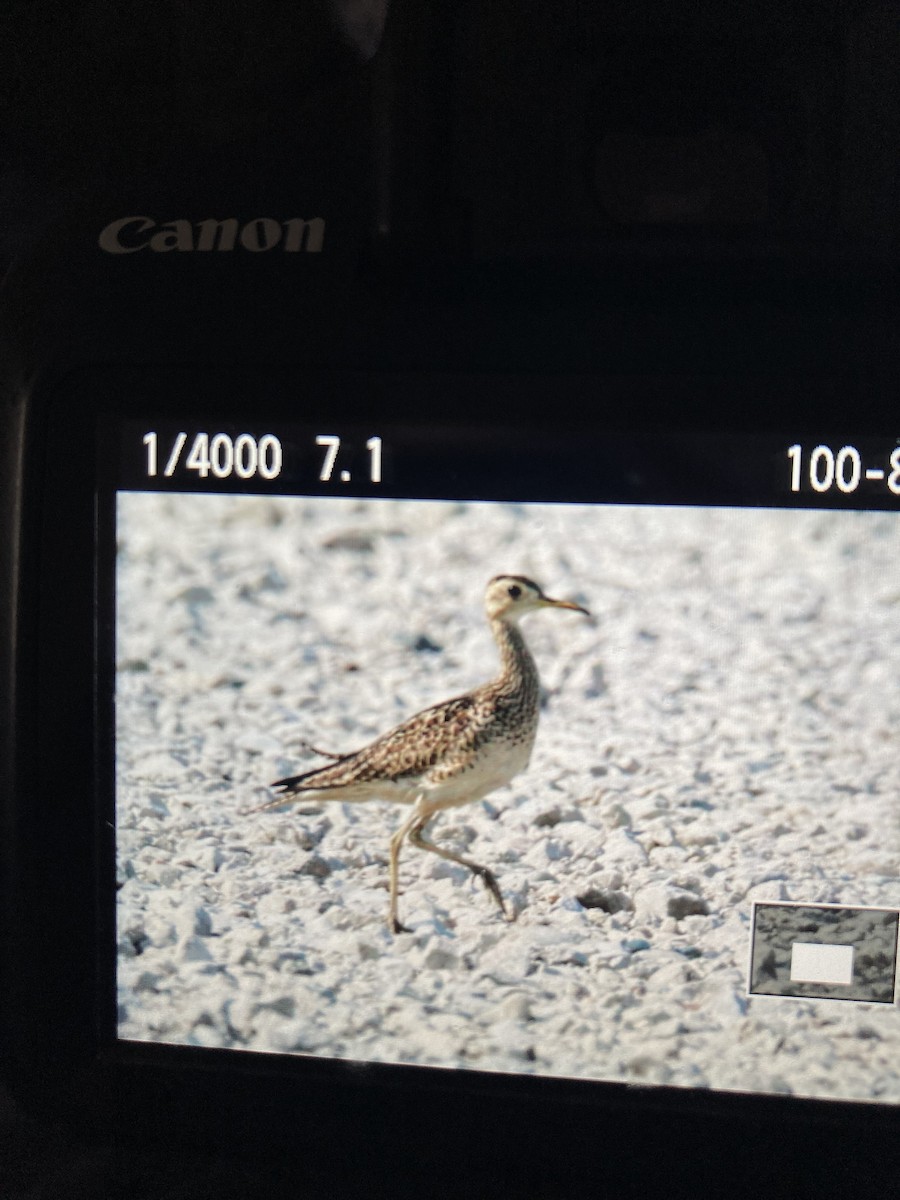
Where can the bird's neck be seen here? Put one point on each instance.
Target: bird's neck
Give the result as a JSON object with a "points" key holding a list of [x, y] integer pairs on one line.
{"points": [[517, 667]]}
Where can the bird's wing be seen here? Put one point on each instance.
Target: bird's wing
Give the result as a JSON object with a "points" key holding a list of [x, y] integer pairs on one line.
{"points": [[409, 749]]}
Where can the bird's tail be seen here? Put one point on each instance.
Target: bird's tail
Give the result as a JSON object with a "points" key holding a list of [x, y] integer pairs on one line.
{"points": [[294, 786]]}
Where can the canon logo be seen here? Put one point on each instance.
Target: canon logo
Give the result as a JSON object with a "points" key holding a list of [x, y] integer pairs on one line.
{"points": [[127, 235]]}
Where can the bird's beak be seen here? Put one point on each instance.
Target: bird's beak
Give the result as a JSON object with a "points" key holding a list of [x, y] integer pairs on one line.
{"points": [[564, 604]]}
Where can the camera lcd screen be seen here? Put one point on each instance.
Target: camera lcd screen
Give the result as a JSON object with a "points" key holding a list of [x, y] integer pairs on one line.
{"points": [[673, 860]]}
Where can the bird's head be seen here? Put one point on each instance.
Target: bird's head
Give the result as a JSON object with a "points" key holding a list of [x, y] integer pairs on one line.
{"points": [[512, 596]]}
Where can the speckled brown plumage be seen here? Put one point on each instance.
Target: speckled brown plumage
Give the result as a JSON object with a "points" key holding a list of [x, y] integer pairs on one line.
{"points": [[452, 753]]}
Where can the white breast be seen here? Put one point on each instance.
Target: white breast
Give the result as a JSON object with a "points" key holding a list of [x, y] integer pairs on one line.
{"points": [[494, 769]]}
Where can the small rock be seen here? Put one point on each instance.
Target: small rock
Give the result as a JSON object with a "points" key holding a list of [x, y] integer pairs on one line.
{"points": [[689, 951], [648, 1069], [440, 959], [316, 866], [574, 958], [154, 807], [271, 580], [686, 904], [607, 899], [210, 858], [360, 543], [194, 949], [441, 869], [616, 816], [624, 850], [137, 937], [305, 838], [597, 686], [147, 981], [635, 945], [293, 962], [125, 948], [546, 820], [196, 595], [159, 766], [283, 1005], [514, 1007], [193, 920], [162, 932], [665, 900], [556, 850], [723, 1003]]}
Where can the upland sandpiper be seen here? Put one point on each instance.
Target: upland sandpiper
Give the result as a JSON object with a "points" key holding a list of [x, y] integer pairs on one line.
{"points": [[452, 753]]}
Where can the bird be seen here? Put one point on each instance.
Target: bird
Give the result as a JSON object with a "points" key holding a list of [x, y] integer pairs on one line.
{"points": [[450, 754]]}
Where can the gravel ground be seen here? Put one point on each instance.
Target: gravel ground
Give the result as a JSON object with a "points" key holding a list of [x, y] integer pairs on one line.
{"points": [[721, 731]]}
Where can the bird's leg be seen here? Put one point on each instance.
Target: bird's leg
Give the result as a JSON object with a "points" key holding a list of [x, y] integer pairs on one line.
{"points": [[417, 837], [396, 841]]}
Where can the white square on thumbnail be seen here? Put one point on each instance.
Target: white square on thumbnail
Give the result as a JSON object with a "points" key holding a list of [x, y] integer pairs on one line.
{"points": [[815, 962]]}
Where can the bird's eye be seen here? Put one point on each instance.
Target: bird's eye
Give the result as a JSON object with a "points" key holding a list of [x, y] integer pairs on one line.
{"points": [[515, 591]]}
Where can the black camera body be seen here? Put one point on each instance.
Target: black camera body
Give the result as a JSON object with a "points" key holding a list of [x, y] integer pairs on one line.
{"points": [[583, 309]]}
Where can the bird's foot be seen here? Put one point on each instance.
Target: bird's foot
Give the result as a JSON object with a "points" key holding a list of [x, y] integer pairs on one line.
{"points": [[395, 926], [490, 882]]}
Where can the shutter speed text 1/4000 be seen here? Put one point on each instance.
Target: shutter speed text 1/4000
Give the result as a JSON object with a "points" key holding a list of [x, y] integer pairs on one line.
{"points": [[246, 456]]}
